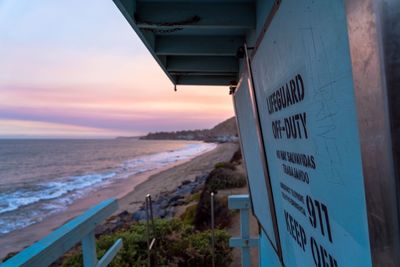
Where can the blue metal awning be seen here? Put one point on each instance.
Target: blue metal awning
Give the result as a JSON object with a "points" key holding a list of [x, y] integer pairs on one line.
{"points": [[195, 42]]}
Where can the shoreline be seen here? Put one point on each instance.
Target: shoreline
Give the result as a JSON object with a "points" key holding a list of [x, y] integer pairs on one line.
{"points": [[169, 179], [154, 183]]}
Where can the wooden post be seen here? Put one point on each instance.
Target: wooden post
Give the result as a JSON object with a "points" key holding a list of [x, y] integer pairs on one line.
{"points": [[81, 229], [244, 242], [245, 235], [89, 250]]}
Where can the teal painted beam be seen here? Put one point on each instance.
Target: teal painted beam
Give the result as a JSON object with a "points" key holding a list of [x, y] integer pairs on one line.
{"points": [[199, 1], [236, 242], [128, 8], [206, 64], [244, 242], [206, 80], [198, 45], [110, 254], [180, 15], [89, 250], [193, 73], [53, 246], [238, 202]]}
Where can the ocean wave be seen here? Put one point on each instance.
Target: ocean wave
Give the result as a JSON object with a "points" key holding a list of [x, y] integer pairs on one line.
{"points": [[24, 205], [160, 160], [10, 201]]}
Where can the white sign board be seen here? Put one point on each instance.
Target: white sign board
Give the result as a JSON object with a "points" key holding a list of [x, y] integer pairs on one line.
{"points": [[254, 159], [304, 90]]}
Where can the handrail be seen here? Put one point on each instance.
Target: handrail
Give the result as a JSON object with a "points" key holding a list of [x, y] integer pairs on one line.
{"points": [[244, 242], [80, 229]]}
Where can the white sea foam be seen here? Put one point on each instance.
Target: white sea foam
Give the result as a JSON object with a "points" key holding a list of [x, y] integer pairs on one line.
{"points": [[160, 160], [27, 204], [47, 191]]}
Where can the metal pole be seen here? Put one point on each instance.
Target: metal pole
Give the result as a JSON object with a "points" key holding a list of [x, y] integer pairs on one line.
{"points": [[153, 230], [148, 231], [151, 215], [212, 231]]}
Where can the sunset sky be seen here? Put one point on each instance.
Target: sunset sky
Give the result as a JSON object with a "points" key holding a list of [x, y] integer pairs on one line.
{"points": [[73, 68]]}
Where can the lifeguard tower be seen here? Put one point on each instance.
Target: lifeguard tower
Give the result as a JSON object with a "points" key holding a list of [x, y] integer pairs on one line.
{"points": [[316, 90], [315, 86]]}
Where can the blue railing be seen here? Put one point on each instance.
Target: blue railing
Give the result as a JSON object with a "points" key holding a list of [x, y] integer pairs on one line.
{"points": [[80, 229], [244, 242]]}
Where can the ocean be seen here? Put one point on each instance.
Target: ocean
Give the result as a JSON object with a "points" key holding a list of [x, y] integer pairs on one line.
{"points": [[39, 178]]}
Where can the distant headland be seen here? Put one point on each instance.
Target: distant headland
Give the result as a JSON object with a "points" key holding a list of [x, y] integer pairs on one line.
{"points": [[225, 131]]}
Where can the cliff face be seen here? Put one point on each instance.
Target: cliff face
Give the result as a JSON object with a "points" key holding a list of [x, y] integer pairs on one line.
{"points": [[225, 131]]}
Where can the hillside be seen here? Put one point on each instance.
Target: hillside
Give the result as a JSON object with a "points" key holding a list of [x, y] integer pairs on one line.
{"points": [[227, 127], [223, 132]]}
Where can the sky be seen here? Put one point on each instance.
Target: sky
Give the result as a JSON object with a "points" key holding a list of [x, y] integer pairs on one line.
{"points": [[76, 69]]}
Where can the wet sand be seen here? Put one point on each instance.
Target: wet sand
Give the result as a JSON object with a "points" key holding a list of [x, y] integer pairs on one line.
{"points": [[130, 192]]}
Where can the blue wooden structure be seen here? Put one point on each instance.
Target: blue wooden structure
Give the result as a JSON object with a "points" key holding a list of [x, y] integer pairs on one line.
{"points": [[244, 242], [80, 229], [315, 89], [194, 42]]}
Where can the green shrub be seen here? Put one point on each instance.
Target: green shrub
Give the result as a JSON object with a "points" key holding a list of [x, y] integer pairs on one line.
{"points": [[222, 214], [225, 165], [195, 197], [223, 178], [178, 244], [189, 214]]}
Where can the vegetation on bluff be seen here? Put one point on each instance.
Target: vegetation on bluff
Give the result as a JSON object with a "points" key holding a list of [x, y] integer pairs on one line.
{"points": [[183, 241], [224, 176], [178, 244]]}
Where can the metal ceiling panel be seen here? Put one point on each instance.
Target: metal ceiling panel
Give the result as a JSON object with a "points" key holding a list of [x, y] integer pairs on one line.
{"points": [[194, 42]]}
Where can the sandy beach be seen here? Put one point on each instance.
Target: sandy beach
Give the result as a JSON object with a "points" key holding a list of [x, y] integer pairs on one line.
{"points": [[130, 192], [171, 178]]}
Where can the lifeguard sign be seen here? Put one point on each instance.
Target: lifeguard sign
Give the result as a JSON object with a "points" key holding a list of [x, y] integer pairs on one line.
{"points": [[304, 76], [317, 105]]}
